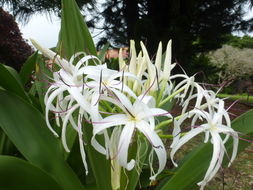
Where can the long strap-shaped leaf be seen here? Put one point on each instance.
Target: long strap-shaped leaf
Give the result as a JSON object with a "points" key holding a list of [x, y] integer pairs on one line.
{"points": [[27, 68], [99, 165], [18, 174], [26, 128], [74, 34], [194, 167], [9, 80]]}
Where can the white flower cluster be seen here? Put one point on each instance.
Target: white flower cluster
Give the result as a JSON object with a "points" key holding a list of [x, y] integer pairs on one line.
{"points": [[123, 104]]}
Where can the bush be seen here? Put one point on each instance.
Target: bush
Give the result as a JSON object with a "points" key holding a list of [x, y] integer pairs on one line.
{"points": [[13, 48], [238, 63]]}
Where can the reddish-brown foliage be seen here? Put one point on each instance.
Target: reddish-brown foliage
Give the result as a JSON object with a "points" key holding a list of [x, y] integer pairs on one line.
{"points": [[13, 48]]}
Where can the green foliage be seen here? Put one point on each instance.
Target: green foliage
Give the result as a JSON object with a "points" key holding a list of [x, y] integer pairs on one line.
{"points": [[32, 138], [206, 71], [10, 81], [74, 35], [239, 42], [19, 174]]}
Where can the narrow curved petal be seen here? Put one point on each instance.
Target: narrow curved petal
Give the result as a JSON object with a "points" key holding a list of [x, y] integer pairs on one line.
{"points": [[83, 155], [218, 152], [124, 89], [157, 145], [107, 122], [124, 100], [80, 99], [64, 127], [184, 140], [48, 105], [110, 121], [124, 142]]}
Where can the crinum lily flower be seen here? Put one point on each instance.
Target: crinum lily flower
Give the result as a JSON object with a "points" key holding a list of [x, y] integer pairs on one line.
{"points": [[136, 116], [68, 95], [217, 122]]}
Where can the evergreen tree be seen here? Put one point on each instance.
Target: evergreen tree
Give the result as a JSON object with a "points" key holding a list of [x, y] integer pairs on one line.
{"points": [[193, 25]]}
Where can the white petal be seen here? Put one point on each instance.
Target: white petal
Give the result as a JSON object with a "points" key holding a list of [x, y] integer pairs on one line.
{"points": [[218, 152], [80, 99], [124, 142], [158, 59], [107, 122], [83, 60], [184, 140], [83, 155], [159, 112], [53, 56], [124, 100], [157, 145], [124, 89], [64, 127], [110, 121], [48, 105]]}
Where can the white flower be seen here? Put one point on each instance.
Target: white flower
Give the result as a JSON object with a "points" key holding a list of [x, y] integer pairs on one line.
{"points": [[216, 122], [68, 95], [136, 116]]}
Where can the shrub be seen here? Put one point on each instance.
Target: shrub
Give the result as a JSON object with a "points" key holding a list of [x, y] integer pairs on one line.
{"points": [[238, 63]]}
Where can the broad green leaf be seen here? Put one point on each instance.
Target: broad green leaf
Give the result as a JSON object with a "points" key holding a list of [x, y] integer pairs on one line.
{"points": [[16, 174], [6, 146], [40, 84], [10, 81], [74, 34], [26, 128], [28, 67], [194, 167], [99, 165]]}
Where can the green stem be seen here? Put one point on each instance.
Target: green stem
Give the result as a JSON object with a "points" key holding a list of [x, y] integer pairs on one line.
{"points": [[170, 136], [170, 97], [167, 122], [166, 136], [107, 106], [161, 92]]}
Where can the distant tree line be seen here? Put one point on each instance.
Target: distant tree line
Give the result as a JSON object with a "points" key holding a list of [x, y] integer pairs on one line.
{"points": [[193, 25]]}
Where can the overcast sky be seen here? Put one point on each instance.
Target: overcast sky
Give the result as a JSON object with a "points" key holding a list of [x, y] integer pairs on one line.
{"points": [[45, 30], [42, 29]]}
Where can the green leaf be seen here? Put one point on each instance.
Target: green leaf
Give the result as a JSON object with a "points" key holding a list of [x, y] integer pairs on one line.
{"points": [[74, 34], [18, 174], [129, 179], [99, 165], [10, 80], [28, 67], [26, 128], [103, 51], [194, 167]]}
